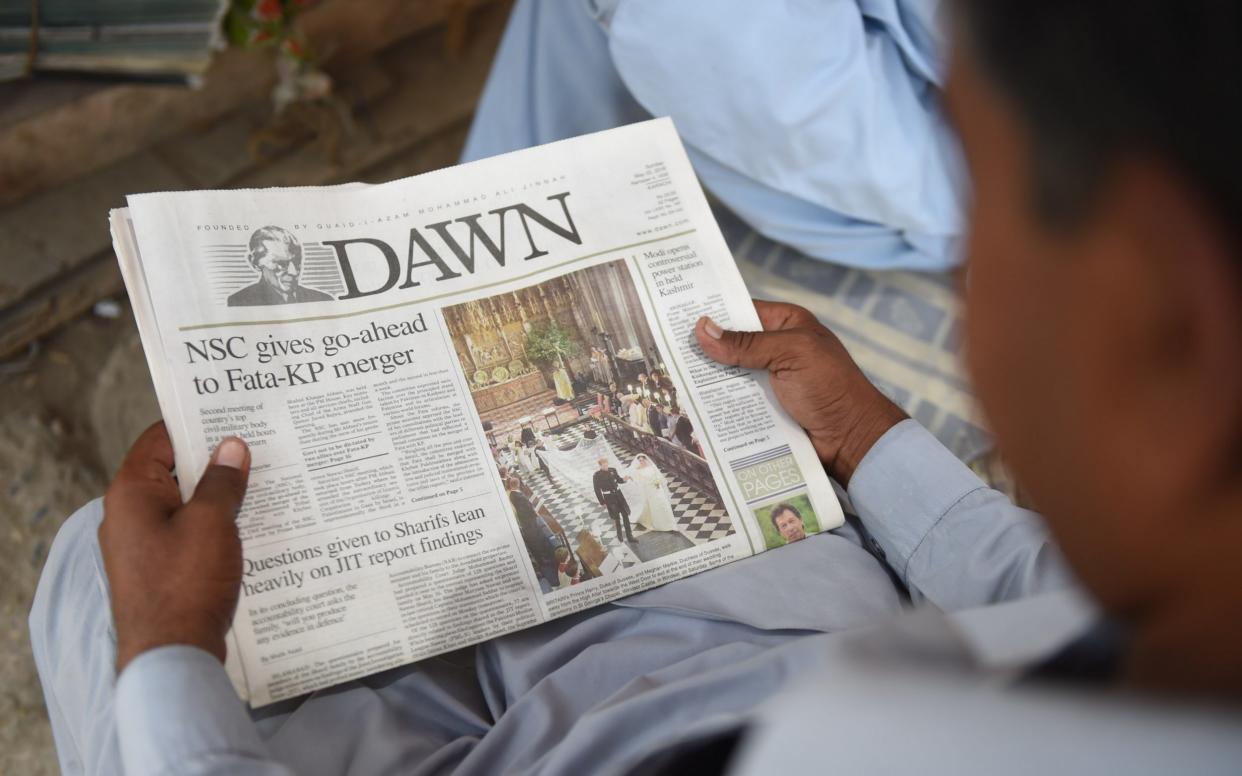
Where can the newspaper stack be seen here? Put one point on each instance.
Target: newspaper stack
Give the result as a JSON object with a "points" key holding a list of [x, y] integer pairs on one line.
{"points": [[473, 398]]}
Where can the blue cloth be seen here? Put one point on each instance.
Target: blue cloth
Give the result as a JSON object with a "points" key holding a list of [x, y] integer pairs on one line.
{"points": [[589, 693], [935, 695], [816, 121]]}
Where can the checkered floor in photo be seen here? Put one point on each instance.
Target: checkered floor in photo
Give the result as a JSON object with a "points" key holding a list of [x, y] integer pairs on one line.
{"points": [[699, 519]]}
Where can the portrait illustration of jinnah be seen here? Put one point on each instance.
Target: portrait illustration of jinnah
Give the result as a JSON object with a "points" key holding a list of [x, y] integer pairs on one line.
{"points": [[276, 254]]}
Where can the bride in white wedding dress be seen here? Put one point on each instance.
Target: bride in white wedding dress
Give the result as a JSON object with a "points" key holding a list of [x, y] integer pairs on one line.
{"points": [[653, 507], [645, 490]]}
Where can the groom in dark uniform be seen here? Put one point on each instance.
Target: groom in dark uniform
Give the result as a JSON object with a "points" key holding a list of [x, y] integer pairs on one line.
{"points": [[608, 491]]}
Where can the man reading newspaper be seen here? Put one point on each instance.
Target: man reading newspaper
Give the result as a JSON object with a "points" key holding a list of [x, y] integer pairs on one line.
{"points": [[1105, 322]]}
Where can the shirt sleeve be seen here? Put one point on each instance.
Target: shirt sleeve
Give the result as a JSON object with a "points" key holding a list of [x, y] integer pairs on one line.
{"points": [[177, 713], [954, 541]]}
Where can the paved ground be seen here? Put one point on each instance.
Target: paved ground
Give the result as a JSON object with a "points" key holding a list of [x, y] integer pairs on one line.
{"points": [[65, 420]]}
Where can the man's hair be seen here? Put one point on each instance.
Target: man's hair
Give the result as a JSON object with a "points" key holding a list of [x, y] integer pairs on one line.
{"points": [[1095, 80], [260, 238], [784, 507]]}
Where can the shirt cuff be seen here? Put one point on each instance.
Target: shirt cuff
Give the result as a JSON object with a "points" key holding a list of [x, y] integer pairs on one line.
{"points": [[177, 712], [904, 485]]}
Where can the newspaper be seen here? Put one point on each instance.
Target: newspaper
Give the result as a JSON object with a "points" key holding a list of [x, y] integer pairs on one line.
{"points": [[473, 398]]}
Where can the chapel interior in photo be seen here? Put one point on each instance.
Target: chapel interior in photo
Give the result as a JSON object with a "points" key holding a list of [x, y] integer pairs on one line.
{"points": [[595, 307], [541, 362]]}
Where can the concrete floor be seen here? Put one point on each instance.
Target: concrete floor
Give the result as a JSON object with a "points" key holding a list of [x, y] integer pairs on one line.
{"points": [[66, 417]]}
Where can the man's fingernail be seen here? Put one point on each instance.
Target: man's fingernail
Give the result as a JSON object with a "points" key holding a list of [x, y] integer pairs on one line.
{"points": [[713, 330], [231, 453]]}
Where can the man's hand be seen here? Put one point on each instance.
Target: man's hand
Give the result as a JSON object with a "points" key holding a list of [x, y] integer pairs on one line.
{"points": [[814, 378], [175, 569]]}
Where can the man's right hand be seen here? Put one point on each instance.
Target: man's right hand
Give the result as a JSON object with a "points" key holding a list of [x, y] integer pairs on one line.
{"points": [[174, 568], [814, 378]]}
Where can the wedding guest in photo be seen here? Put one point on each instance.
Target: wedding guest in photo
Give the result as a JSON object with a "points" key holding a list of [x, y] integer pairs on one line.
{"points": [[506, 455], [655, 418], [545, 440], [599, 366], [638, 415], [528, 434], [567, 568], [681, 431], [514, 482], [538, 538]]}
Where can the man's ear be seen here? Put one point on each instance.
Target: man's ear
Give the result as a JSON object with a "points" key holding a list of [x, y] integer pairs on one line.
{"points": [[1176, 319]]}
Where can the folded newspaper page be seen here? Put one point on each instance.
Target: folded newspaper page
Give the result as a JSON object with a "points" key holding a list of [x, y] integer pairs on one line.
{"points": [[473, 398]]}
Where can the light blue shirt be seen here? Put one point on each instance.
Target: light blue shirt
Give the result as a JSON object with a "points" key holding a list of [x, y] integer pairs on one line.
{"points": [[816, 121], [709, 648], [812, 641]]}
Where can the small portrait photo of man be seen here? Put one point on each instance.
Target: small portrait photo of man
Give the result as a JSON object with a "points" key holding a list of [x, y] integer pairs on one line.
{"points": [[276, 254], [787, 522]]}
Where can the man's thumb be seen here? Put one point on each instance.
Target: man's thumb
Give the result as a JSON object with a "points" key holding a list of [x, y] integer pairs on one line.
{"points": [[223, 484], [748, 349]]}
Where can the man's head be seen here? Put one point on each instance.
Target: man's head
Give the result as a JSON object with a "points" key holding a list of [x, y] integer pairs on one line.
{"points": [[603, 463], [277, 255], [1104, 281], [787, 521]]}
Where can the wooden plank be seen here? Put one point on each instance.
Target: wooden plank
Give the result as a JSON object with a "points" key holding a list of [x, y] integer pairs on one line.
{"points": [[85, 135], [25, 99], [209, 156], [50, 234], [435, 153], [50, 306], [212, 155], [345, 28], [49, 147]]}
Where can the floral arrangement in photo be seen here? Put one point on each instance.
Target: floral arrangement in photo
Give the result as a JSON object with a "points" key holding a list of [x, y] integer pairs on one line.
{"points": [[551, 343]]}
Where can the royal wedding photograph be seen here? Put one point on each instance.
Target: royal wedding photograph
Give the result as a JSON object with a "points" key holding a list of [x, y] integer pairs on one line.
{"points": [[602, 467]]}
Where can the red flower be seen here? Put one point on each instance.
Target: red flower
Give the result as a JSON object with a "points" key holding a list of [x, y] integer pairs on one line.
{"points": [[293, 48], [268, 10], [259, 36]]}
